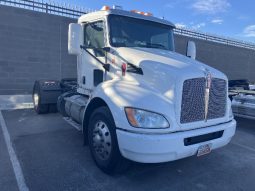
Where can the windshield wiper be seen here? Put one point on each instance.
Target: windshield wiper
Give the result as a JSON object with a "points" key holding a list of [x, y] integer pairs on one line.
{"points": [[154, 45]]}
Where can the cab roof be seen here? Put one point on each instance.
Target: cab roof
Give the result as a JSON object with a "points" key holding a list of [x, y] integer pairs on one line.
{"points": [[102, 13]]}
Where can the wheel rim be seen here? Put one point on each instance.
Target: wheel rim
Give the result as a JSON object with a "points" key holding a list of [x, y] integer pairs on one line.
{"points": [[102, 140], [36, 99]]}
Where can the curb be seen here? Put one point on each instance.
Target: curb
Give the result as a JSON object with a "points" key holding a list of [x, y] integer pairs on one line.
{"points": [[8, 102]]}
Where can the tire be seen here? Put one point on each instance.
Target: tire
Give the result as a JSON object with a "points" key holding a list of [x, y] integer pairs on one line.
{"points": [[38, 106], [103, 142]]}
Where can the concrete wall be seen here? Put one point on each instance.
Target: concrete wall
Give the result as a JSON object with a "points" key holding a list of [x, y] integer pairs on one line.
{"points": [[34, 46], [235, 62]]}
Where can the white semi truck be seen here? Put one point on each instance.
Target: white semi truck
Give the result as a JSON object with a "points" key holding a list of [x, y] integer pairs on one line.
{"points": [[135, 98]]}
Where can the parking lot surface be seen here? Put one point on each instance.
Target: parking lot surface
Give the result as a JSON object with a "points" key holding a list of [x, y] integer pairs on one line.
{"points": [[52, 157]]}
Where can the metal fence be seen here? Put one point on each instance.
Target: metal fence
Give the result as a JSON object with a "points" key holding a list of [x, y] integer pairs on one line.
{"points": [[214, 38], [47, 7], [51, 7]]}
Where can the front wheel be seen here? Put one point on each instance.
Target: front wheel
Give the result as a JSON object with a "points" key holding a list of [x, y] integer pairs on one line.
{"points": [[103, 142]]}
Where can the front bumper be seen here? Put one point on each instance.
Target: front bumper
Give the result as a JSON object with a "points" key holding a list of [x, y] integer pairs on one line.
{"points": [[148, 148]]}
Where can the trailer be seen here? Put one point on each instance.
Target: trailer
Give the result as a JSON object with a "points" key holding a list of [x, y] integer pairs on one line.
{"points": [[135, 98]]}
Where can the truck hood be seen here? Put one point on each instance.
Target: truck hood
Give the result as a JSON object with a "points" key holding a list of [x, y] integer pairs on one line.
{"points": [[163, 69], [161, 60], [164, 73]]}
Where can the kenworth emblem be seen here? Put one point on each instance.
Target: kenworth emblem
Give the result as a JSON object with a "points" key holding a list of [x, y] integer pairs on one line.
{"points": [[208, 82]]}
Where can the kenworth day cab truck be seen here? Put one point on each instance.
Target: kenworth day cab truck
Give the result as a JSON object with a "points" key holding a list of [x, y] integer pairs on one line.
{"points": [[135, 98]]}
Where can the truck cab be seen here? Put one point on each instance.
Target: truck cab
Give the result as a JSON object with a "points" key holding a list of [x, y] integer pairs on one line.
{"points": [[135, 97]]}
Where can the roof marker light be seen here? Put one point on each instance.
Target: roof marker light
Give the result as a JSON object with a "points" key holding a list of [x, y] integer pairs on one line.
{"points": [[148, 14], [105, 8], [117, 7], [134, 11], [141, 13]]}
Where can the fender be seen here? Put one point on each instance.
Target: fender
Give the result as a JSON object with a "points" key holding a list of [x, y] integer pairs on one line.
{"points": [[118, 94]]}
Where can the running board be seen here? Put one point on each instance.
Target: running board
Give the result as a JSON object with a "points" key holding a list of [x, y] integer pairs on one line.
{"points": [[73, 123]]}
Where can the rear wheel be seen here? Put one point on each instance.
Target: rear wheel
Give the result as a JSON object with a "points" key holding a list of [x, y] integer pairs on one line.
{"points": [[103, 142], [38, 106]]}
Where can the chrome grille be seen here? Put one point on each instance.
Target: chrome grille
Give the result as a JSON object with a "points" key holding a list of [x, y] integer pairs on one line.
{"points": [[193, 100]]}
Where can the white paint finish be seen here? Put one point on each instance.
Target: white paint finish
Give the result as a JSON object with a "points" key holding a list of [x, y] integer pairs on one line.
{"points": [[159, 89], [120, 93], [74, 38], [169, 147], [161, 60], [191, 49], [165, 73], [14, 160], [87, 64]]}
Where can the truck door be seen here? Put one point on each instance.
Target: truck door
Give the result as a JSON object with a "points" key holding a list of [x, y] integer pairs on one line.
{"points": [[90, 70]]}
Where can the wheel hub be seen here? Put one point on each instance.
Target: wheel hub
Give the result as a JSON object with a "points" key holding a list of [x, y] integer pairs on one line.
{"points": [[102, 140]]}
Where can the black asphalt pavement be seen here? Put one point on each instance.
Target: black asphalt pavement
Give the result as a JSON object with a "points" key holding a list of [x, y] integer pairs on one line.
{"points": [[52, 158]]}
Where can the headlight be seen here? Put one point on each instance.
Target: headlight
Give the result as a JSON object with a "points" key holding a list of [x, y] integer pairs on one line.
{"points": [[145, 119]]}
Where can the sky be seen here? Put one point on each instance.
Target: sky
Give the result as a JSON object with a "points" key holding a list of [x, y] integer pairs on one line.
{"points": [[227, 18]]}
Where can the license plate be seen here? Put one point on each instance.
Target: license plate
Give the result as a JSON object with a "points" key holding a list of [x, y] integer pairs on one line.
{"points": [[203, 150]]}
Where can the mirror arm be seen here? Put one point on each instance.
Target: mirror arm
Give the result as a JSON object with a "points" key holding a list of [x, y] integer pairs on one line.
{"points": [[106, 65], [106, 49]]}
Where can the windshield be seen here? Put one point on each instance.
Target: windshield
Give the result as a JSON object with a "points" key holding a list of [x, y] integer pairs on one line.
{"points": [[132, 32]]}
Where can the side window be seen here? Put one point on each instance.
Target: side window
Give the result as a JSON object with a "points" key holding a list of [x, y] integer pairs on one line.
{"points": [[94, 35]]}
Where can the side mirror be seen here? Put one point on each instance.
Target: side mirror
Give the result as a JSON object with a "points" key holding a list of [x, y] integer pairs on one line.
{"points": [[74, 38], [191, 50]]}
